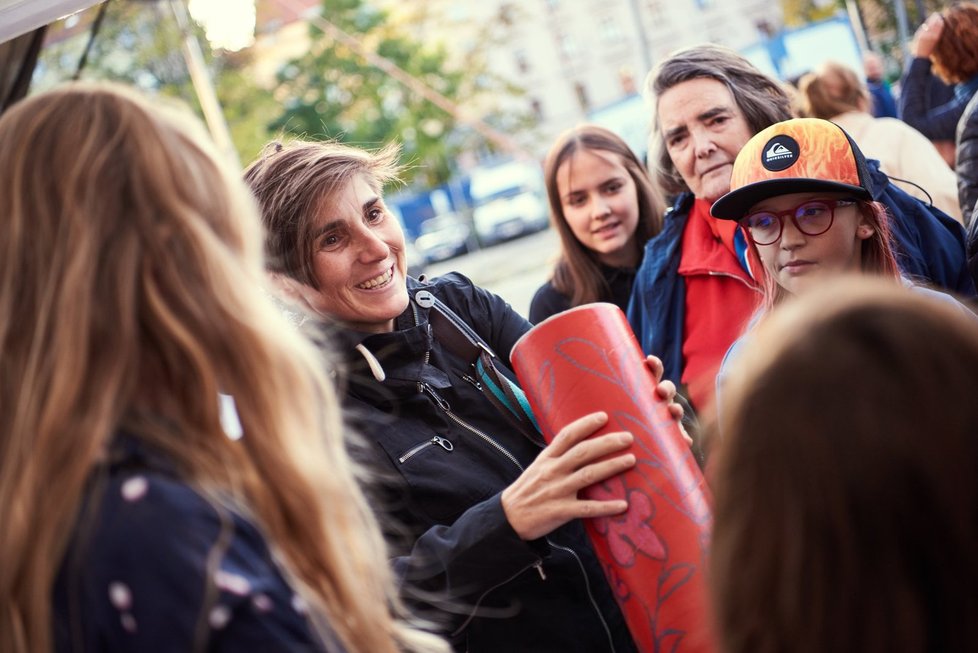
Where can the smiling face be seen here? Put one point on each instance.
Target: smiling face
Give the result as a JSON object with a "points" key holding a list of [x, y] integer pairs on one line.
{"points": [[703, 129], [358, 260], [796, 261], [600, 204]]}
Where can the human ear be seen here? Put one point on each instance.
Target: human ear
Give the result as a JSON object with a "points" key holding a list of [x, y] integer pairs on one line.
{"points": [[865, 231]]}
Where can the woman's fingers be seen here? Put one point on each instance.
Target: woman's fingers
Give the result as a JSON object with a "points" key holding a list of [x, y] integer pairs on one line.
{"points": [[575, 432], [545, 496], [666, 390], [654, 363], [600, 471]]}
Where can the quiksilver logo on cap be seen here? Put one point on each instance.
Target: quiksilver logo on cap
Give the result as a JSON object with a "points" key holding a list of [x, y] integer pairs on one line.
{"points": [[780, 153]]}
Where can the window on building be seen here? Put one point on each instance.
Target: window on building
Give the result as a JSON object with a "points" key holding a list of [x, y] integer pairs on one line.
{"points": [[654, 7], [582, 97], [566, 45], [537, 108], [507, 14], [608, 30]]}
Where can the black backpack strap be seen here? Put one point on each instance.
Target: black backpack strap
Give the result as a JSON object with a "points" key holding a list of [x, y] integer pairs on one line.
{"points": [[460, 339]]}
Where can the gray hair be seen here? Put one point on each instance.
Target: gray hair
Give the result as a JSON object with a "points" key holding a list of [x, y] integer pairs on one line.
{"points": [[761, 99]]}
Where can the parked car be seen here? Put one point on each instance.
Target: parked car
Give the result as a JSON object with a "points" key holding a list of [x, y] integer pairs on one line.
{"points": [[416, 260], [509, 201], [444, 236]]}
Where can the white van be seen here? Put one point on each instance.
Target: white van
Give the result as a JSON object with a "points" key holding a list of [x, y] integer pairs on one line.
{"points": [[508, 201]]}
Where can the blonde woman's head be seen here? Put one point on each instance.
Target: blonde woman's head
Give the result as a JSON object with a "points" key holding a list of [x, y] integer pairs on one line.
{"points": [[831, 90]]}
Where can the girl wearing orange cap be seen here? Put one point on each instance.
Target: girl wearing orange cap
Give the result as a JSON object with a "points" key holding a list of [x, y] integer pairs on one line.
{"points": [[800, 191]]}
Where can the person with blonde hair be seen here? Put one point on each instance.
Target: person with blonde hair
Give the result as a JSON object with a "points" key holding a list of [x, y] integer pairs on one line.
{"points": [[846, 483], [835, 92], [137, 514]]}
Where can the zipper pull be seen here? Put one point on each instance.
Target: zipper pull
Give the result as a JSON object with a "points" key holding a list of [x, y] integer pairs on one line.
{"points": [[539, 568], [434, 395], [444, 443], [474, 381]]}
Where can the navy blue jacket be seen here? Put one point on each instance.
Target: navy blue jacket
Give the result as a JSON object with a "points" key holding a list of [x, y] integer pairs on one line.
{"points": [[929, 245], [155, 567]]}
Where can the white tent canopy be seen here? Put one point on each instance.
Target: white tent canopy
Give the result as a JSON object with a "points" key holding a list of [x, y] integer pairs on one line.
{"points": [[21, 16]]}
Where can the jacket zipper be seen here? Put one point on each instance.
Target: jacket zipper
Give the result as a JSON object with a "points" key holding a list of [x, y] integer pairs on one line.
{"points": [[714, 273], [444, 405], [444, 443]]}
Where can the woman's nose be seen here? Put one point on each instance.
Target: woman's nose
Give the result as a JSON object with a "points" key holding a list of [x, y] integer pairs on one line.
{"points": [[600, 208], [703, 144], [372, 246]]}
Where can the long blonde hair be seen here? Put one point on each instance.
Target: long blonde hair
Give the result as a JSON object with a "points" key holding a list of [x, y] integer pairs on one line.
{"points": [[131, 276]]}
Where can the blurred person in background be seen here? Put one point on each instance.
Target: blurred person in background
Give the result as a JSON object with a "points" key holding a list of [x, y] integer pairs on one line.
{"points": [[138, 515], [955, 58], [930, 102], [846, 482], [834, 92], [604, 207], [882, 105]]}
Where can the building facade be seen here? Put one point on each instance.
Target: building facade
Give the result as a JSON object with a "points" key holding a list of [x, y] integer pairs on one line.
{"points": [[577, 59]]}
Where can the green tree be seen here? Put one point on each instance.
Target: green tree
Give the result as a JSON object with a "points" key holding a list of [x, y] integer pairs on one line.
{"points": [[139, 43], [332, 92]]}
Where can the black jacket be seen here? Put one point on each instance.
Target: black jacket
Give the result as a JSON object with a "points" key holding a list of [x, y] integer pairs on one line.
{"points": [[549, 301], [966, 164], [447, 455]]}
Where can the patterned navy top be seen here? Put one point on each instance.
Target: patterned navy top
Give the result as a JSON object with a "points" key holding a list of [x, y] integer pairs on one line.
{"points": [[153, 566]]}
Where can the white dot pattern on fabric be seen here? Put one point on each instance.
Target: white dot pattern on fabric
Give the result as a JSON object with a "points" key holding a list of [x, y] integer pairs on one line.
{"points": [[262, 603], [135, 488], [219, 617], [233, 583], [128, 622], [120, 596]]}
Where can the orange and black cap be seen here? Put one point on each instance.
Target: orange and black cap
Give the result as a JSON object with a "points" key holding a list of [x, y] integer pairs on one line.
{"points": [[795, 156]]}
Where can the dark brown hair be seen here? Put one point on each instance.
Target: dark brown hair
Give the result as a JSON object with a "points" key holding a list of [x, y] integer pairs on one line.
{"points": [[846, 485], [292, 181], [955, 57], [577, 273]]}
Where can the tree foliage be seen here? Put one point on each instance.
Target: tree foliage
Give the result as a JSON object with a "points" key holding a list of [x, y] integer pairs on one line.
{"points": [[139, 43], [333, 93]]}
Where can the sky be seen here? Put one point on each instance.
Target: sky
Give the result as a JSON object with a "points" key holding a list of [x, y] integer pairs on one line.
{"points": [[228, 24]]}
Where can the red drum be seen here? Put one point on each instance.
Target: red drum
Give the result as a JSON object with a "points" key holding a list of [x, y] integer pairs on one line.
{"points": [[654, 555]]}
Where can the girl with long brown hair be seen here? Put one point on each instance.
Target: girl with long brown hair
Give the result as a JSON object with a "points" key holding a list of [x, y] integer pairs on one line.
{"points": [[137, 514], [605, 208]]}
